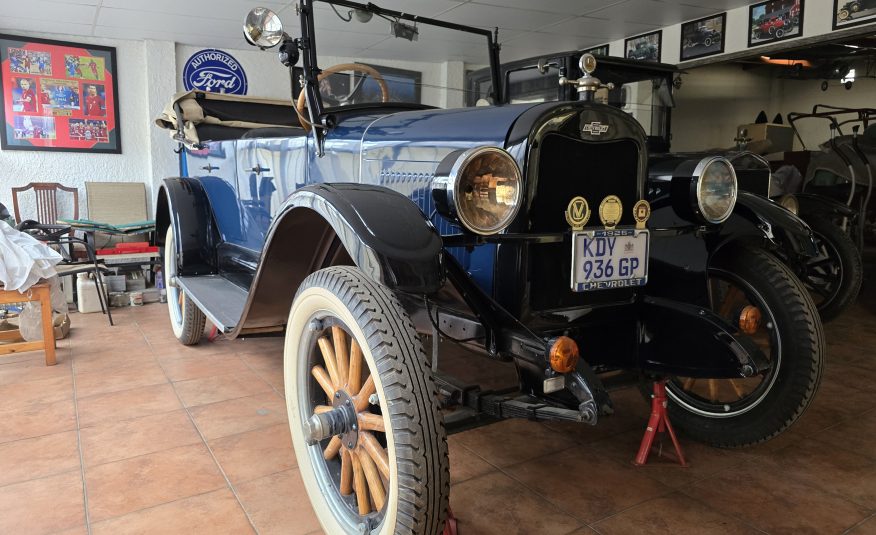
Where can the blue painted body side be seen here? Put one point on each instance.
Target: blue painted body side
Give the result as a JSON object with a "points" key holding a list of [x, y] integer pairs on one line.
{"points": [[247, 180]]}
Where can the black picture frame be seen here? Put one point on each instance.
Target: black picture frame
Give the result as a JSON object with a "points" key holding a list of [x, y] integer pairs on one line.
{"points": [[75, 125], [769, 22], [853, 17], [695, 35], [601, 50], [645, 47]]}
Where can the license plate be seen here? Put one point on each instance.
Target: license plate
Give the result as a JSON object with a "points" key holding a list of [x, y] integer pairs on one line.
{"points": [[606, 259]]}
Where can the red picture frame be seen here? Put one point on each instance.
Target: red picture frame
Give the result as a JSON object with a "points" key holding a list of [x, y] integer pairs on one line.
{"points": [[58, 96]]}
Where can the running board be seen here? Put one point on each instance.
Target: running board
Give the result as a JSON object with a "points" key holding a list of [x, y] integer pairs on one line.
{"points": [[219, 299]]}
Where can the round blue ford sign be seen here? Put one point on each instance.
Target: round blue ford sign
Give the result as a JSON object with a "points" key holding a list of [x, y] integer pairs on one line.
{"points": [[215, 71]]}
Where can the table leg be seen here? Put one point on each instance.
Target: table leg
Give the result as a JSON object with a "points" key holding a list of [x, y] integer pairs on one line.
{"points": [[48, 325]]}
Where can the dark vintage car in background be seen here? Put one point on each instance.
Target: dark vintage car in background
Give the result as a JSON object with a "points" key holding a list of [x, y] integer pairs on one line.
{"points": [[830, 266], [520, 232]]}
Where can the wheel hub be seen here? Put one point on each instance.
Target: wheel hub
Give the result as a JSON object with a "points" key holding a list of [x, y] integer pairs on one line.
{"points": [[341, 421]]}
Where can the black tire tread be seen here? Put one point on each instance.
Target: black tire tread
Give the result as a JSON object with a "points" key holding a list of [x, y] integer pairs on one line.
{"points": [[795, 389], [411, 395]]}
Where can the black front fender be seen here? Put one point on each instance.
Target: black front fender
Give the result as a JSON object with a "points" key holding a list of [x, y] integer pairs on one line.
{"points": [[381, 231], [756, 218]]}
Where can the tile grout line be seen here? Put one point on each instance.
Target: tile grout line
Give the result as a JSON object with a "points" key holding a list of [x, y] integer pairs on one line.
{"points": [[850, 529], [228, 483], [79, 445]]}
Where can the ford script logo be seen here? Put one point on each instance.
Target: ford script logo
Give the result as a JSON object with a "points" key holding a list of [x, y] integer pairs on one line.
{"points": [[595, 128], [215, 71]]}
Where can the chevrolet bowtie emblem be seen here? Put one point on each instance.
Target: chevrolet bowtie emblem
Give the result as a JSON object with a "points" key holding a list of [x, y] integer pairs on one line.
{"points": [[595, 128], [577, 213]]}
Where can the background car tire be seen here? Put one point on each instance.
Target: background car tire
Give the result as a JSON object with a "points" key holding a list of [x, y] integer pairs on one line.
{"points": [[708, 41], [186, 319], [415, 439], [800, 364], [780, 32], [851, 266]]}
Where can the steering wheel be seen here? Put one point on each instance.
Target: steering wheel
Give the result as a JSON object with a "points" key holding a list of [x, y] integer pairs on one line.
{"points": [[371, 71]]}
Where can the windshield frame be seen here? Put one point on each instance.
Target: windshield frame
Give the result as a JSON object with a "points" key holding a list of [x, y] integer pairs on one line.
{"points": [[307, 44]]}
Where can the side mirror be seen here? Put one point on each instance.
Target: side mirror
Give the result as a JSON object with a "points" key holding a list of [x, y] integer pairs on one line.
{"points": [[262, 28]]}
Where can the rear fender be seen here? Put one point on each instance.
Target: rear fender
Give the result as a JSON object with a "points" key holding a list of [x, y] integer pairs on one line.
{"points": [[184, 203], [379, 230]]}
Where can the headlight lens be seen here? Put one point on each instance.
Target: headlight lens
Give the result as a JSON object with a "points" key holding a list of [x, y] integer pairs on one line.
{"points": [[716, 189], [790, 202], [480, 188]]}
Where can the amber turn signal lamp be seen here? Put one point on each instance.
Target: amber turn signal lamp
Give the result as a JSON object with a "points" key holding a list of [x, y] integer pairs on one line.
{"points": [[749, 319], [564, 354]]}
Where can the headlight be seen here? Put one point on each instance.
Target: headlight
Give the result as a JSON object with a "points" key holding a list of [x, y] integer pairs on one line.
{"points": [[790, 202], [704, 190], [479, 188]]}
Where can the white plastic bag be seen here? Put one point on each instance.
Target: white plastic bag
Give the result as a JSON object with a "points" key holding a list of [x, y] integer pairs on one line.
{"points": [[24, 260], [30, 321]]}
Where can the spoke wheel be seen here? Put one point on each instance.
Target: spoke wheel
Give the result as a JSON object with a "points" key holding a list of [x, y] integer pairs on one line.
{"points": [[834, 277], [745, 411], [363, 414], [186, 318]]}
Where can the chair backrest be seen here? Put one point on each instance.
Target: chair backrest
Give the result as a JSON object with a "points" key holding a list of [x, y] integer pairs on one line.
{"points": [[116, 202], [46, 201]]}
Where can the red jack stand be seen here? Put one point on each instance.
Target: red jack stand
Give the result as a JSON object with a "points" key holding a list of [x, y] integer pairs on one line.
{"points": [[659, 423], [450, 526]]}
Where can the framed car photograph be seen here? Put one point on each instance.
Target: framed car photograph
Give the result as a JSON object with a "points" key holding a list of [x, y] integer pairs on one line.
{"points": [[646, 47], [703, 37], [853, 12], [58, 96], [774, 20], [597, 50]]}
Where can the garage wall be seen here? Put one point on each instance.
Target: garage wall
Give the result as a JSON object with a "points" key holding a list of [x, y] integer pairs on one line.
{"points": [[713, 101], [142, 71], [266, 77], [801, 95]]}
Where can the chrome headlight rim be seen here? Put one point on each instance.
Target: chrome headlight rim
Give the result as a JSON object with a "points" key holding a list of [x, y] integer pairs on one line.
{"points": [[446, 193], [698, 175]]}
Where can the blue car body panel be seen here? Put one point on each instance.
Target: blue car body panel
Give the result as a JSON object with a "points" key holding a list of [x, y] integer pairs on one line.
{"points": [[247, 180]]}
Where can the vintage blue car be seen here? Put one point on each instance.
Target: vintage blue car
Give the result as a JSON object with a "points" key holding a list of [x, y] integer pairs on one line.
{"points": [[519, 232]]}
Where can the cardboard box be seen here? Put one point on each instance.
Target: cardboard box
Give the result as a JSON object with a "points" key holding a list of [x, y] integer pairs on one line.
{"points": [[780, 136]]}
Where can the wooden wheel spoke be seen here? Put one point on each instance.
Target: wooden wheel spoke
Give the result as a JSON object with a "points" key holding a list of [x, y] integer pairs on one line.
{"points": [[324, 380], [360, 485], [688, 383], [375, 484], [346, 473], [354, 380], [371, 422], [713, 390], [339, 339], [736, 389], [376, 451], [322, 408], [732, 297], [328, 355], [361, 400], [331, 451]]}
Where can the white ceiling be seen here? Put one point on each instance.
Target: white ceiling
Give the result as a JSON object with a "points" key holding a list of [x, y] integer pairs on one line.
{"points": [[526, 28]]}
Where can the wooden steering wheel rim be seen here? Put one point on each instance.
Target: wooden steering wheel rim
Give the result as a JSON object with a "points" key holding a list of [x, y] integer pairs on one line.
{"points": [[302, 99]]}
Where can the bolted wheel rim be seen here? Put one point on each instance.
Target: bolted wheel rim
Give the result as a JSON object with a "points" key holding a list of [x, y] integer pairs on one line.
{"points": [[725, 398], [344, 425]]}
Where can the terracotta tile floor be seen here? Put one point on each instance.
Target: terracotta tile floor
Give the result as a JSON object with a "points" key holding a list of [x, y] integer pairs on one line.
{"points": [[134, 433]]}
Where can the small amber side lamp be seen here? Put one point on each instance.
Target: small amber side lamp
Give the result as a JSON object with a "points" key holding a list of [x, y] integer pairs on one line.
{"points": [[564, 354], [749, 319]]}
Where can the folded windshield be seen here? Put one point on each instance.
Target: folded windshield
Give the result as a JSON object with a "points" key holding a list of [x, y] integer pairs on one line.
{"points": [[357, 51]]}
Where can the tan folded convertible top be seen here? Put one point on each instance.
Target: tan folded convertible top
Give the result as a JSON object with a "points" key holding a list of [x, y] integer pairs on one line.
{"points": [[219, 109]]}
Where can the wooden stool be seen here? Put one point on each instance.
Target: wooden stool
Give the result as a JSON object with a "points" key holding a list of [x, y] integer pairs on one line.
{"points": [[37, 293]]}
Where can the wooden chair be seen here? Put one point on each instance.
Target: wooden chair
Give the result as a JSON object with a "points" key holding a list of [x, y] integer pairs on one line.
{"points": [[46, 201]]}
